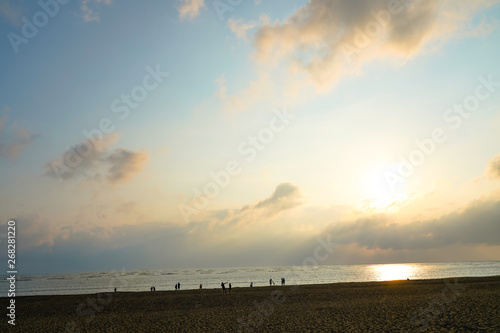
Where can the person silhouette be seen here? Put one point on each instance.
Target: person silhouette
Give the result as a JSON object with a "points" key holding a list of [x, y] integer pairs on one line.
{"points": [[251, 284], [222, 284], [179, 285], [282, 281], [176, 287], [115, 289], [230, 289], [201, 286], [271, 282]]}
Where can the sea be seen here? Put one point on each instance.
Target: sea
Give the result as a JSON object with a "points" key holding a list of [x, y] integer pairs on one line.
{"points": [[166, 279]]}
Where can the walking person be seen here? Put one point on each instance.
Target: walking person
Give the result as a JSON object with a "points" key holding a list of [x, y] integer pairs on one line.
{"points": [[230, 289]]}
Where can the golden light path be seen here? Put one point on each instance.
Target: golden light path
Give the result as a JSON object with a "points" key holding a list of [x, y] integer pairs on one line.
{"points": [[393, 272]]}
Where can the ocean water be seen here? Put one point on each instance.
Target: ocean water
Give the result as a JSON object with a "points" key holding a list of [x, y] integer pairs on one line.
{"points": [[142, 280]]}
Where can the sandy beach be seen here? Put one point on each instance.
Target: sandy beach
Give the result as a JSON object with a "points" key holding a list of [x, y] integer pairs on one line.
{"points": [[442, 305]]}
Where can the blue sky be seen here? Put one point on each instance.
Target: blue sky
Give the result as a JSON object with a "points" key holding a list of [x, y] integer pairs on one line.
{"points": [[334, 128]]}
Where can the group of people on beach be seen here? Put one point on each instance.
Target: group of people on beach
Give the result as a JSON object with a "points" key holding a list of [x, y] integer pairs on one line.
{"points": [[223, 285], [224, 291], [271, 282]]}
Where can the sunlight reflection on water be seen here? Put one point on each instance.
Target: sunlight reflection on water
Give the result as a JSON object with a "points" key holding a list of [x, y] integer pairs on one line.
{"points": [[395, 271]]}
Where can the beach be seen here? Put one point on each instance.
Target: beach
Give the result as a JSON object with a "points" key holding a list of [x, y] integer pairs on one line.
{"points": [[439, 305]]}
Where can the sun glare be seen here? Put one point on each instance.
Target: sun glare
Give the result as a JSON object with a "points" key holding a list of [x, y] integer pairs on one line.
{"points": [[377, 193], [392, 272]]}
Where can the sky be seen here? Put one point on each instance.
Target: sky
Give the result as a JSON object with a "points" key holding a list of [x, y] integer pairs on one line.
{"points": [[192, 133]]}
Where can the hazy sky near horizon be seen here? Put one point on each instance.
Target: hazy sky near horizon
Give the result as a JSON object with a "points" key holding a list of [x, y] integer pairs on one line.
{"points": [[193, 133]]}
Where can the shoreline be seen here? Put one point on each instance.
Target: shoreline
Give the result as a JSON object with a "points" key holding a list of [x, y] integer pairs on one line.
{"points": [[254, 287], [460, 304]]}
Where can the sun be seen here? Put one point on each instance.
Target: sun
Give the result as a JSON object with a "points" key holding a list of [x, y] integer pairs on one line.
{"points": [[376, 192]]}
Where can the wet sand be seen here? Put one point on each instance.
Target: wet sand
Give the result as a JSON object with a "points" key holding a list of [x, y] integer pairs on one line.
{"points": [[451, 305]]}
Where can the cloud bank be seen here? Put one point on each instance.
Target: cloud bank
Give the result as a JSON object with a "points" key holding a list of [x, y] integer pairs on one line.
{"points": [[262, 238]]}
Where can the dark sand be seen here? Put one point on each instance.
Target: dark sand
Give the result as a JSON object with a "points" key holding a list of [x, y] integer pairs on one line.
{"points": [[461, 305]]}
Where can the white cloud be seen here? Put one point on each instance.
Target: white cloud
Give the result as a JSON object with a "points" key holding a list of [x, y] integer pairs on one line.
{"points": [[189, 9], [239, 28], [327, 39]]}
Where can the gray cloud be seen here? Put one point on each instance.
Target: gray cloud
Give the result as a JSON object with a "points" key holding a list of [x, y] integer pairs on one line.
{"points": [[476, 224], [37, 230], [124, 164], [95, 160], [150, 245], [286, 196]]}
